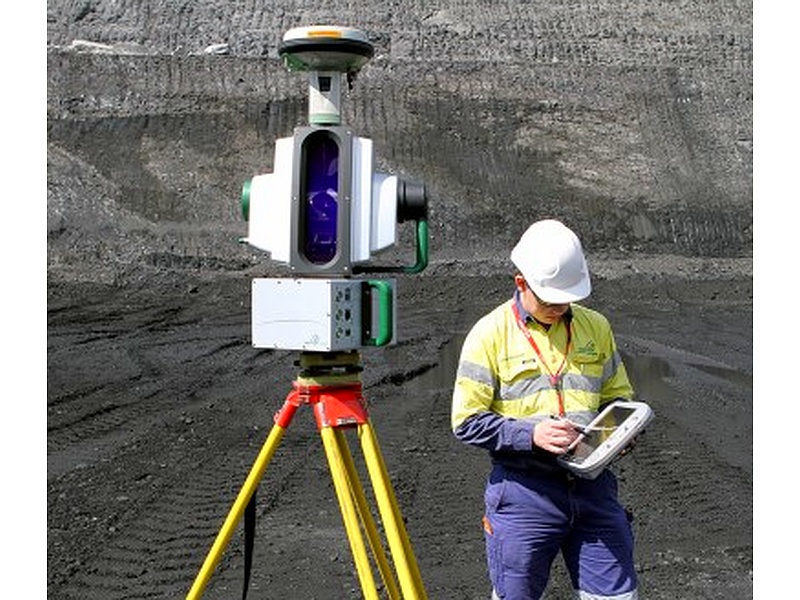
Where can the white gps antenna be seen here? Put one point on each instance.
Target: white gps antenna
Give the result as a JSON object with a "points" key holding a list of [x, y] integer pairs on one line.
{"points": [[327, 53]]}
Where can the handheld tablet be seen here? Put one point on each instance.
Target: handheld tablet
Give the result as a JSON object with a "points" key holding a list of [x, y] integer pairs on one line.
{"points": [[605, 437]]}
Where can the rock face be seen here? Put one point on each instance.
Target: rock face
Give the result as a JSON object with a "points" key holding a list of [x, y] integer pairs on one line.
{"points": [[631, 121]]}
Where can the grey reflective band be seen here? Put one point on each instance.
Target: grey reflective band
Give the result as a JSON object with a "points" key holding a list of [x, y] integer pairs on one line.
{"points": [[570, 381], [476, 373]]}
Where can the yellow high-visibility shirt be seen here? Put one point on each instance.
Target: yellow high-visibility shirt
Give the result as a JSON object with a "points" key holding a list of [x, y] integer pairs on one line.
{"points": [[502, 389]]}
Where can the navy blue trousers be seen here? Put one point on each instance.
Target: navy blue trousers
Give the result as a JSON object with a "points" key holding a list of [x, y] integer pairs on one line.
{"points": [[531, 517]]}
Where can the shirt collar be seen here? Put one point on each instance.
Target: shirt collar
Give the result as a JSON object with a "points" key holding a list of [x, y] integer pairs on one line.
{"points": [[524, 314]]}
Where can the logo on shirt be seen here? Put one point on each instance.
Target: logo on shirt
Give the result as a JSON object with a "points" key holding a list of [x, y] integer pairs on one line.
{"points": [[588, 349]]}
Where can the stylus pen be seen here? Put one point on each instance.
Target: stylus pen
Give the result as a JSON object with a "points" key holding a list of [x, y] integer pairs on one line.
{"points": [[585, 431], [579, 429]]}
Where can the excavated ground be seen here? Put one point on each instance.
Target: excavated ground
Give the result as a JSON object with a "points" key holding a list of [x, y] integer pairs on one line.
{"points": [[158, 407]]}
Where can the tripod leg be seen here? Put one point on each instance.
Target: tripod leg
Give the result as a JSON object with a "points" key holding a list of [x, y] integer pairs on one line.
{"points": [[397, 537], [366, 517], [249, 487], [348, 509]]}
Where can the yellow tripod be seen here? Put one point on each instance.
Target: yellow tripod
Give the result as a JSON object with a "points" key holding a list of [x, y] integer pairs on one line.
{"points": [[331, 384]]}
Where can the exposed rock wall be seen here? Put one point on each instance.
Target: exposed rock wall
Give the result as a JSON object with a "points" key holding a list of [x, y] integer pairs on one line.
{"points": [[632, 121]]}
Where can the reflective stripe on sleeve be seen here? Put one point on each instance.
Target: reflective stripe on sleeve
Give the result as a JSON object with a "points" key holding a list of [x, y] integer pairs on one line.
{"points": [[611, 366], [477, 373]]}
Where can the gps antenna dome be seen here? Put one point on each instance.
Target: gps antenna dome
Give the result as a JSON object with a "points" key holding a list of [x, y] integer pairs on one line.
{"points": [[325, 48]]}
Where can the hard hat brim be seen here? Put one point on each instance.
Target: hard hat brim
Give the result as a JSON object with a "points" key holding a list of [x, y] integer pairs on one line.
{"points": [[576, 293]]}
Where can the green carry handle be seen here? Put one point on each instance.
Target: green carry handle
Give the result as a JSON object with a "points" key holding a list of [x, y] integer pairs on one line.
{"points": [[385, 319]]}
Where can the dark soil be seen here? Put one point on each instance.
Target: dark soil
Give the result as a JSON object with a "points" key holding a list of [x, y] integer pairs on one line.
{"points": [[158, 406]]}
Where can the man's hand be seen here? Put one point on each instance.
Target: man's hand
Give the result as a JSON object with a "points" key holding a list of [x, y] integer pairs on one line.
{"points": [[554, 435]]}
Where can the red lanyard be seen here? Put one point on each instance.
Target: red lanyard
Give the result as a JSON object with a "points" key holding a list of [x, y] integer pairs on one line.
{"points": [[555, 378]]}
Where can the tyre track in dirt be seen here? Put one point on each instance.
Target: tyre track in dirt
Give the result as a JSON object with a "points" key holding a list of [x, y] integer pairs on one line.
{"points": [[690, 467]]}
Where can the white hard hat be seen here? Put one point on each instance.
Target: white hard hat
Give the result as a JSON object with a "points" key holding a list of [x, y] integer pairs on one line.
{"points": [[550, 257]]}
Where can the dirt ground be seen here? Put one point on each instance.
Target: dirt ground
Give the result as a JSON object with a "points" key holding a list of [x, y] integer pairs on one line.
{"points": [[631, 121], [158, 406]]}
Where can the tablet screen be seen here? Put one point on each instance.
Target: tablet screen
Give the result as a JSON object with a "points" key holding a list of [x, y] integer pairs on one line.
{"points": [[600, 431]]}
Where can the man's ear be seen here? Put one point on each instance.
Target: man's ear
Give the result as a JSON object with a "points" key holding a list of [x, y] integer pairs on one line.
{"points": [[519, 282]]}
